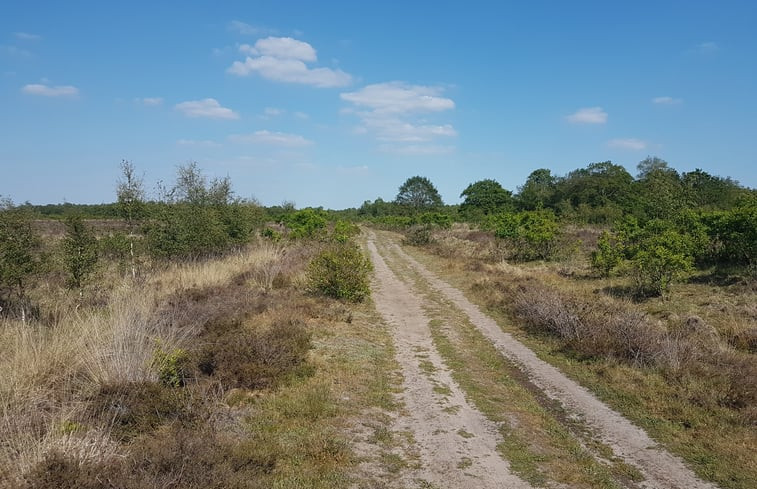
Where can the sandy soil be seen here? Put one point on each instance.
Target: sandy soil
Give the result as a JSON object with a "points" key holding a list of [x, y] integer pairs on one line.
{"points": [[455, 442], [436, 429]]}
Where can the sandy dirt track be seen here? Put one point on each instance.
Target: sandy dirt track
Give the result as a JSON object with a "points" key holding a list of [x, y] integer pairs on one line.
{"points": [[435, 429], [456, 443]]}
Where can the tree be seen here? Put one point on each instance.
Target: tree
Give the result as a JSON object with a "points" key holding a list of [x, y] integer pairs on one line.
{"points": [[19, 256], [131, 195], [660, 189], [79, 251], [538, 190], [651, 164], [485, 197], [418, 193]]}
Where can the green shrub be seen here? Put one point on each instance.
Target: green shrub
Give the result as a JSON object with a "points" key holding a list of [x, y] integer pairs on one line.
{"points": [[444, 221], [661, 259], [20, 258], [171, 365], [340, 271], [79, 252], [305, 223], [271, 234], [344, 231], [608, 255], [531, 235]]}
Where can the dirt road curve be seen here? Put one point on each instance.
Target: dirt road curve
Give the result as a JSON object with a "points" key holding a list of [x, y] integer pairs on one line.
{"points": [[457, 443]]}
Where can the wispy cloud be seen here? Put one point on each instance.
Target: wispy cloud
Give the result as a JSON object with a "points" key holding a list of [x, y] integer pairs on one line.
{"points": [[271, 138], [48, 91], [195, 142], [708, 47], [588, 115], [301, 115], [417, 149], [208, 107], [398, 97], [248, 29], [271, 112], [25, 36], [283, 59], [667, 101], [632, 144], [15, 51], [150, 101], [393, 112]]}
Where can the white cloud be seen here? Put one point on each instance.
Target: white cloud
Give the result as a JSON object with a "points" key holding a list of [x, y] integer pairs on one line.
{"points": [[301, 115], [398, 97], [283, 59], [272, 111], [25, 36], [628, 143], [391, 113], [666, 100], [150, 101], [588, 115], [281, 48], [48, 91], [272, 138], [208, 107]]}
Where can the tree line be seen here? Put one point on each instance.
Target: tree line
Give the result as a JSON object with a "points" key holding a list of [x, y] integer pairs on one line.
{"points": [[658, 226]]}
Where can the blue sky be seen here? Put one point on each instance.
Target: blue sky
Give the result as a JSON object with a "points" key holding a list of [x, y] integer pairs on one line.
{"points": [[334, 103]]}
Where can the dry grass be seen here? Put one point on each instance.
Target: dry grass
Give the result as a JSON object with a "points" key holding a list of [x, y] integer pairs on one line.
{"points": [[54, 367]]}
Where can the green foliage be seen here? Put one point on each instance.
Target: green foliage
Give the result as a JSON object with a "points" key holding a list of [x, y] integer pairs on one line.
{"points": [[130, 194], [418, 193], [186, 231], [20, 257], [305, 223], [344, 231], [608, 255], [271, 234], [340, 271], [656, 254], [538, 190], [530, 235], [661, 259], [170, 365], [199, 218], [734, 234], [483, 198], [80, 251], [435, 219]]}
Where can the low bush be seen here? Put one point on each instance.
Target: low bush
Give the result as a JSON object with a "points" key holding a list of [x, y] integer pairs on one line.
{"points": [[341, 271], [418, 235], [246, 356]]}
